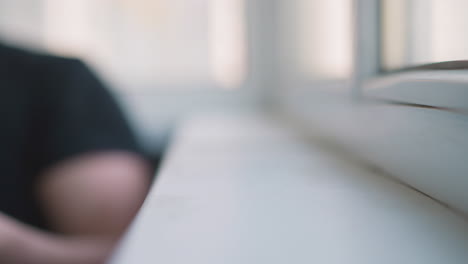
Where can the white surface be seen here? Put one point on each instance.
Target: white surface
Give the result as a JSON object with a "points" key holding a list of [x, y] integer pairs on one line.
{"points": [[249, 191], [440, 88], [425, 148]]}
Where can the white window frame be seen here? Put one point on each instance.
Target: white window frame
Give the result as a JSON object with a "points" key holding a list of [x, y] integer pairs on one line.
{"points": [[414, 87], [426, 115], [412, 125]]}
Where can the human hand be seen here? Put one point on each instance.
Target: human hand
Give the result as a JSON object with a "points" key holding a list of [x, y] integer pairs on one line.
{"points": [[10, 238]]}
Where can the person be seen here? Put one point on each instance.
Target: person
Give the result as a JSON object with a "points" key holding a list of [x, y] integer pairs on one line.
{"points": [[72, 176]]}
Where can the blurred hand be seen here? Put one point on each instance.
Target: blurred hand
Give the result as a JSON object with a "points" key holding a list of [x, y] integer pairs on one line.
{"points": [[10, 238], [23, 244]]}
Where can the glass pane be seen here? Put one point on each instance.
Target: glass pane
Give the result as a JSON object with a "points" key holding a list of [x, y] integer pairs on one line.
{"points": [[416, 32], [322, 37]]}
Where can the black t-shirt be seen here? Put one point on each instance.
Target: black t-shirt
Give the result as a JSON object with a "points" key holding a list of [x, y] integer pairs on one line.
{"points": [[51, 109]]}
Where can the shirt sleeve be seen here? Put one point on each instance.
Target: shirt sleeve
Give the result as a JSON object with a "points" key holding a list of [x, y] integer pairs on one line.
{"points": [[79, 116]]}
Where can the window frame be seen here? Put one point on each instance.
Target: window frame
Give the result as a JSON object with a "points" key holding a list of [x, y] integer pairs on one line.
{"points": [[417, 86], [417, 136], [414, 121]]}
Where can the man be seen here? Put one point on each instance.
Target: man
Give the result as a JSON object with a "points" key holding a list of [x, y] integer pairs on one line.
{"points": [[71, 174]]}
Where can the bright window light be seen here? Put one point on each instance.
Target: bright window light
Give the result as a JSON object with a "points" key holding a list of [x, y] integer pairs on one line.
{"points": [[153, 44], [324, 38], [423, 31]]}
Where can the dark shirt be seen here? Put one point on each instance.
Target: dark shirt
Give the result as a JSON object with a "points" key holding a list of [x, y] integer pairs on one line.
{"points": [[51, 109]]}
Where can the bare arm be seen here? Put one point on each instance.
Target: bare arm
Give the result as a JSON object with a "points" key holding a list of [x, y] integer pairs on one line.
{"points": [[23, 244], [89, 201]]}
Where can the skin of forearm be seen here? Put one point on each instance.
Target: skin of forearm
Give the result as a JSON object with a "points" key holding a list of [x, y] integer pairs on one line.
{"points": [[24, 245]]}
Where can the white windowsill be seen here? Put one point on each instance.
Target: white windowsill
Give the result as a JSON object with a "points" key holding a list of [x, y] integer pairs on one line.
{"points": [[249, 190], [438, 88]]}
